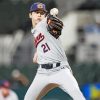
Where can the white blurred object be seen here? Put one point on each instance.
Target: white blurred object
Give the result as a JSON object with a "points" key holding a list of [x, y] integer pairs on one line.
{"points": [[16, 73], [54, 11], [8, 46], [97, 17], [69, 32]]}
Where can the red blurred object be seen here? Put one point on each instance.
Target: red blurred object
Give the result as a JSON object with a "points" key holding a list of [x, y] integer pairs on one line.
{"points": [[5, 83]]}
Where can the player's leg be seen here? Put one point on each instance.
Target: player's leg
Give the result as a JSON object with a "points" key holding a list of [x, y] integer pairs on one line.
{"points": [[69, 85], [39, 82], [46, 89]]}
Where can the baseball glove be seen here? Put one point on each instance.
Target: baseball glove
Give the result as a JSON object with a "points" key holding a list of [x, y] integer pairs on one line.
{"points": [[54, 26]]}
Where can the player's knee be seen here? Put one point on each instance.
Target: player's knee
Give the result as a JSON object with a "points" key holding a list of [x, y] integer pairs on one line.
{"points": [[26, 97], [76, 94], [29, 96]]}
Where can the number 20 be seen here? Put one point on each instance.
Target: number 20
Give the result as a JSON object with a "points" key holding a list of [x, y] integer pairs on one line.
{"points": [[45, 47]]}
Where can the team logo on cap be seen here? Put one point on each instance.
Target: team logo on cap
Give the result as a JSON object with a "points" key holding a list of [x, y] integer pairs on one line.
{"points": [[40, 5]]}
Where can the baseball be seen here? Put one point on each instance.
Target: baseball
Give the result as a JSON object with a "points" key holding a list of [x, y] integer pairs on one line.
{"points": [[54, 11]]}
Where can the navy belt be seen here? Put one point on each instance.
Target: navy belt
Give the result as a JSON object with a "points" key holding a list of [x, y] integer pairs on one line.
{"points": [[50, 66]]}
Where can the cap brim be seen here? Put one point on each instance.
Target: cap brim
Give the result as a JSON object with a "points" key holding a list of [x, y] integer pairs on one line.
{"points": [[39, 10]]}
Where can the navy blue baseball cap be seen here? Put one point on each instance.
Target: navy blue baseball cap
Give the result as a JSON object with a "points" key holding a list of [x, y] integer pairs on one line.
{"points": [[38, 6]]}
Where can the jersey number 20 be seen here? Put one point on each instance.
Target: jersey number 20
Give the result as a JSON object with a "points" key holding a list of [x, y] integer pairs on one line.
{"points": [[45, 47]]}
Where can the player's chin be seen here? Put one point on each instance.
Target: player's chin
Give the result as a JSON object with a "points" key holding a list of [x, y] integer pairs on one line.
{"points": [[39, 20]]}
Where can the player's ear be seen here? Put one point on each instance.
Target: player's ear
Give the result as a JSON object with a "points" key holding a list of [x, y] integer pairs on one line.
{"points": [[30, 15]]}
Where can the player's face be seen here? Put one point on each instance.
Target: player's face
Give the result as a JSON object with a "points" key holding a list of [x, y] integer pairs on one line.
{"points": [[37, 16], [5, 91]]}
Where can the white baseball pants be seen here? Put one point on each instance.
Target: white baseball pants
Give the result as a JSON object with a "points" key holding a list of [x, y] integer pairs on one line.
{"points": [[63, 78]]}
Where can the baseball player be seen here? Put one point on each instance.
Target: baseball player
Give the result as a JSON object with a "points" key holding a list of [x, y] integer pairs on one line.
{"points": [[53, 68], [5, 92]]}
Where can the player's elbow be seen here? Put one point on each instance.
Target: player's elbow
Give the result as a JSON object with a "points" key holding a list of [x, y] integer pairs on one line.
{"points": [[34, 60]]}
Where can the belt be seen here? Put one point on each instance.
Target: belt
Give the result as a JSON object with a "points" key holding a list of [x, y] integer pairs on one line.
{"points": [[50, 66]]}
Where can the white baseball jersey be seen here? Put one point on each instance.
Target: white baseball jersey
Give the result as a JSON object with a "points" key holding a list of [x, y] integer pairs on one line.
{"points": [[49, 49], [11, 96]]}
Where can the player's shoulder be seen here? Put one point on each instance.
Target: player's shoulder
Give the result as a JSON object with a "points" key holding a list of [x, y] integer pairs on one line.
{"points": [[0, 91], [40, 27], [12, 92], [42, 24]]}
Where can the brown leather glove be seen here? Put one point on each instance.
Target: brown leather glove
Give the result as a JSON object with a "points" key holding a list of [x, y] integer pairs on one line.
{"points": [[54, 25]]}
